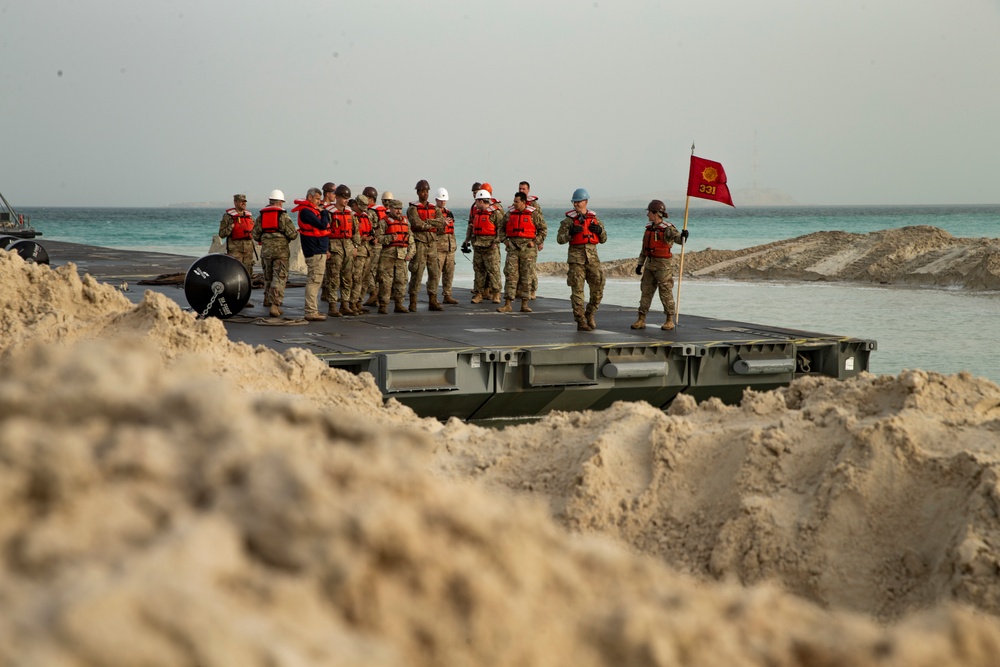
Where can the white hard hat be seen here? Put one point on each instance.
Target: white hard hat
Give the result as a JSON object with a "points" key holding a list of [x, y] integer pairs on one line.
{"points": [[484, 194], [277, 194], [441, 194]]}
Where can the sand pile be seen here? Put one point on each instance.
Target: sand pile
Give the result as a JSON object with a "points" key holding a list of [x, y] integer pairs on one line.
{"points": [[164, 504], [914, 256]]}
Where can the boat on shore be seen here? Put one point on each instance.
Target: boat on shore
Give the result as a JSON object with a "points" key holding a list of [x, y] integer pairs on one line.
{"points": [[13, 223]]}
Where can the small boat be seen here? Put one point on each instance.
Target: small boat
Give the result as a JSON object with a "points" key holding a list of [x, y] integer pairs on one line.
{"points": [[13, 223]]}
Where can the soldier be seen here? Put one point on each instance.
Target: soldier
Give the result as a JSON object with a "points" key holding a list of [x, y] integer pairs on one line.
{"points": [[396, 240], [420, 215], [379, 210], [367, 226], [446, 243], [481, 238], [583, 231], [522, 233], [237, 228], [525, 187], [273, 229], [657, 241], [344, 242], [314, 236]]}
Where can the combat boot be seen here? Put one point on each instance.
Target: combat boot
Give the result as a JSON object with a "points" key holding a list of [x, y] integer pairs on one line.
{"points": [[413, 303], [315, 317], [477, 297], [359, 308], [372, 299], [346, 309], [383, 308], [669, 324], [275, 311], [400, 308], [450, 300], [435, 304], [505, 308], [581, 320], [640, 322], [332, 311], [496, 296], [590, 317], [524, 306]]}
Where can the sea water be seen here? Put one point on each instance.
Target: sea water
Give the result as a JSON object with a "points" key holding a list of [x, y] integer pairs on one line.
{"points": [[946, 330]]}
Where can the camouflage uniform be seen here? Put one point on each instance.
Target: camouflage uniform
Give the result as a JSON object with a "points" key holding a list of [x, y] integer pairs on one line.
{"points": [[425, 255], [339, 278], [584, 266], [392, 266], [274, 257], [533, 201], [486, 255], [522, 255], [446, 247], [658, 273], [364, 258], [241, 249]]}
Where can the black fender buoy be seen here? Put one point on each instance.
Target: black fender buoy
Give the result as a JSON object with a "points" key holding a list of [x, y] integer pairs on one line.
{"points": [[6, 240], [29, 251], [217, 285]]}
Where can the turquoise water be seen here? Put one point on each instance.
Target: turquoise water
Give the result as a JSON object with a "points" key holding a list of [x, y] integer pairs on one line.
{"points": [[933, 329]]}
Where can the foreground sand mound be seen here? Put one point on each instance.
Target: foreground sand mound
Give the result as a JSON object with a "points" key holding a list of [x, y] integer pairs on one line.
{"points": [[913, 256], [878, 494], [156, 516]]}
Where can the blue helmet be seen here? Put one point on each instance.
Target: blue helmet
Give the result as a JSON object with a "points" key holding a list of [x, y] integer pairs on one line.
{"points": [[580, 194]]}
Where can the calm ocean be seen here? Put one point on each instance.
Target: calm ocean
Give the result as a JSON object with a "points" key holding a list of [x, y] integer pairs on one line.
{"points": [[932, 329]]}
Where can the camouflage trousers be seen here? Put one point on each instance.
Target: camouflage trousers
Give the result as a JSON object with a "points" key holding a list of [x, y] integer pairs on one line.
{"points": [[658, 275], [486, 266], [518, 270], [392, 276], [362, 274], [372, 283], [446, 261], [590, 273], [275, 261], [243, 252], [339, 271], [425, 257]]}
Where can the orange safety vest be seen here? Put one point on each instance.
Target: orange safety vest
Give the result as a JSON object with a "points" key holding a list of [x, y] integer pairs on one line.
{"points": [[304, 228], [399, 230], [380, 210], [341, 222], [586, 236], [242, 224], [655, 243], [521, 224], [425, 211], [449, 225], [270, 217], [365, 226], [481, 223]]}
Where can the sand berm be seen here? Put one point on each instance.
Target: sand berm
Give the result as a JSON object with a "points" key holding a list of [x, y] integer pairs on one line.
{"points": [[173, 498]]}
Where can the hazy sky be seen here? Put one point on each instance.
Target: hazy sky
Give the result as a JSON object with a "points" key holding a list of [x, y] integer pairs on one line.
{"points": [[152, 102]]}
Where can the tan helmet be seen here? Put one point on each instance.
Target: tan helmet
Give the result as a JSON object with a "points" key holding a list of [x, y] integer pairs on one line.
{"points": [[387, 195]]}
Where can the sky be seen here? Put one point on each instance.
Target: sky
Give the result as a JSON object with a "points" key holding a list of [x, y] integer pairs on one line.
{"points": [[830, 102]]}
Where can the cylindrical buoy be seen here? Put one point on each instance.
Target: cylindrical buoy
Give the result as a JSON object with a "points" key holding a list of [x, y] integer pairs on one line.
{"points": [[217, 285], [29, 251]]}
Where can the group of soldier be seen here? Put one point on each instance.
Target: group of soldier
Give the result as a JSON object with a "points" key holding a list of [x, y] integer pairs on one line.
{"points": [[358, 247]]}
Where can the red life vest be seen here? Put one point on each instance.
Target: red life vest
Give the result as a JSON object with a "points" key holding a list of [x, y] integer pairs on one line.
{"points": [[586, 236], [380, 210], [304, 228], [341, 222], [655, 243], [365, 226], [242, 224], [270, 217], [449, 223], [481, 223], [399, 230], [425, 211], [521, 224]]}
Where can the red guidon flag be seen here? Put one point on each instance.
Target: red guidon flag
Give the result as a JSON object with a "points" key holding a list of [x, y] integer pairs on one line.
{"points": [[708, 181]]}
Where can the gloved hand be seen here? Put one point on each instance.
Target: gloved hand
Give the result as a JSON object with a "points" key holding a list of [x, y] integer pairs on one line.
{"points": [[576, 229], [596, 229], [638, 269], [466, 248], [684, 236]]}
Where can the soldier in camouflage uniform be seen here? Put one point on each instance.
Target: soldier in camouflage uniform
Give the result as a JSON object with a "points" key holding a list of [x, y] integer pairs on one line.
{"points": [[420, 215], [396, 240], [582, 230], [657, 240], [367, 228], [446, 243], [344, 241], [274, 230], [481, 237], [379, 210], [525, 187], [522, 233], [237, 228]]}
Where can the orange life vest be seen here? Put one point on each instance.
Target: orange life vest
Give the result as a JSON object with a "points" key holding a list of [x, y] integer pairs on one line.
{"points": [[481, 223], [270, 218], [399, 230], [341, 222], [449, 223], [365, 227], [586, 236], [304, 228], [521, 224], [425, 211], [380, 210], [655, 243], [242, 224]]}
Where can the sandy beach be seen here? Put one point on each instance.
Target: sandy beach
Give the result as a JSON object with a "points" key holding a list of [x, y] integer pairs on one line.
{"points": [[174, 498]]}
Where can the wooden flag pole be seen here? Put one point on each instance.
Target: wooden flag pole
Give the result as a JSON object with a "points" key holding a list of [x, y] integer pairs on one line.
{"points": [[680, 270]]}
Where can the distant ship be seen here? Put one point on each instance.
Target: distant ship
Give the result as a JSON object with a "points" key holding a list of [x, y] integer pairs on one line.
{"points": [[13, 223]]}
